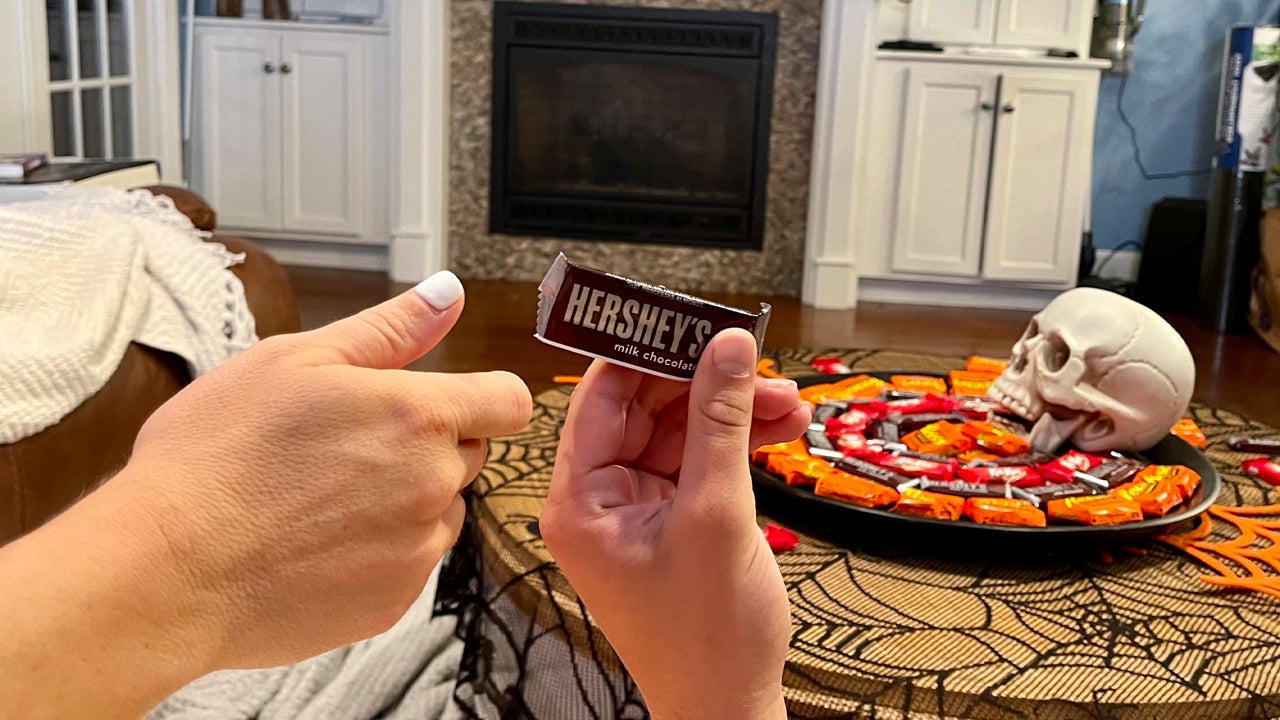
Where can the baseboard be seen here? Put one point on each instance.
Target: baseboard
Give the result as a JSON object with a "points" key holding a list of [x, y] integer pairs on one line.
{"points": [[1119, 264], [908, 292], [338, 256]]}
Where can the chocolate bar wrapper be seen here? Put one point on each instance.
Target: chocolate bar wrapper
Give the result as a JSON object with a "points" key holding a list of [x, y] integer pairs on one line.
{"points": [[627, 322]]}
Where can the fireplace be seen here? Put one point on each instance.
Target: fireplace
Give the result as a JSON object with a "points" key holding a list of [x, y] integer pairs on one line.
{"points": [[631, 124]]}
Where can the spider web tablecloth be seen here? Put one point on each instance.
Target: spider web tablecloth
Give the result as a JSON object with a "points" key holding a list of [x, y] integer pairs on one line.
{"points": [[879, 636]]}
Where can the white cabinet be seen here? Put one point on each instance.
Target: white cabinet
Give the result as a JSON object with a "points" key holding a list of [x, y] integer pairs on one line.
{"points": [[1060, 24], [286, 130], [977, 173]]}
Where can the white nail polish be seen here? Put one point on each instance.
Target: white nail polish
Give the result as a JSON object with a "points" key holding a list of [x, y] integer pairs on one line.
{"points": [[441, 290]]}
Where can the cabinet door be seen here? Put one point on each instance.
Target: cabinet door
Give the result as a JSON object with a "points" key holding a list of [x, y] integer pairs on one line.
{"points": [[1040, 176], [236, 110], [942, 174], [1060, 24], [324, 154], [952, 21]]}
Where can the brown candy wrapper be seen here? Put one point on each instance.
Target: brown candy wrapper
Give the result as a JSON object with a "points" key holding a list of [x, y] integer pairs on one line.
{"points": [[626, 322]]}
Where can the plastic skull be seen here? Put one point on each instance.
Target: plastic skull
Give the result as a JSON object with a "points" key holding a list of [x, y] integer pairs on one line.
{"points": [[1098, 369]]}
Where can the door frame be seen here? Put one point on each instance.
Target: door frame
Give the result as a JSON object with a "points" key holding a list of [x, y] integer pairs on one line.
{"points": [[154, 33]]}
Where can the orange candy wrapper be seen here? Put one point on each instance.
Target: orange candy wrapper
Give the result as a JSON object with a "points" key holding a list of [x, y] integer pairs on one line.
{"points": [[1095, 510], [1187, 429], [923, 503], [979, 363], [800, 472], [1003, 511], [1182, 477], [855, 388], [940, 438], [1155, 495], [919, 383], [995, 438], [795, 448], [840, 485], [970, 383]]}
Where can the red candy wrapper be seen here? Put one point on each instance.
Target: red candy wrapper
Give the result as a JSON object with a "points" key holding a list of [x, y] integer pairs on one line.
{"points": [[917, 467], [1015, 475], [931, 403], [1262, 468], [856, 418], [831, 366], [779, 538], [1063, 469], [853, 445]]}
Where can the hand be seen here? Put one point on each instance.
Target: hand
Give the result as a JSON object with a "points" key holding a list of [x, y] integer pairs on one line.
{"points": [[311, 486], [651, 517]]}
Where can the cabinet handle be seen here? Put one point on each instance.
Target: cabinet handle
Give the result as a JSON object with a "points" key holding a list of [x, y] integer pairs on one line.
{"points": [[286, 68], [1007, 108], [987, 107], [268, 68]]}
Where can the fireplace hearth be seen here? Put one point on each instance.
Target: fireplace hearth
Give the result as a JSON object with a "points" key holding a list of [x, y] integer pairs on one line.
{"points": [[631, 124]]}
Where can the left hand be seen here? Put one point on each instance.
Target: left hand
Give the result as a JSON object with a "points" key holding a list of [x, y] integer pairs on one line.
{"points": [[651, 517]]}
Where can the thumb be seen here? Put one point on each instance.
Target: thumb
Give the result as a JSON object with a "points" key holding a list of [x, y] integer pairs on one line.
{"points": [[398, 331], [714, 472]]}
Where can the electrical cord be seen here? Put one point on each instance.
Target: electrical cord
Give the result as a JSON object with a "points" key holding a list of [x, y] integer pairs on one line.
{"points": [[1097, 272], [1133, 142]]}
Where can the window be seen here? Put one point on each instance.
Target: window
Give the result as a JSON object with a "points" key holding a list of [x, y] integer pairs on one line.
{"points": [[91, 78]]}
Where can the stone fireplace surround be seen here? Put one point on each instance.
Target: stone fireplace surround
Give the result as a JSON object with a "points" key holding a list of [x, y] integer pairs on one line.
{"points": [[819, 248], [474, 252]]}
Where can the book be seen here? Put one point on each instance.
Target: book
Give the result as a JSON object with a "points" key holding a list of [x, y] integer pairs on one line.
{"points": [[124, 174], [19, 165]]}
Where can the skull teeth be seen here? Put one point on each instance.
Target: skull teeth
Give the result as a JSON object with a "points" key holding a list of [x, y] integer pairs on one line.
{"points": [[1023, 407]]}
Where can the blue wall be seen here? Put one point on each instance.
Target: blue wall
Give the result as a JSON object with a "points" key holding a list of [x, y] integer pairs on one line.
{"points": [[1172, 100]]}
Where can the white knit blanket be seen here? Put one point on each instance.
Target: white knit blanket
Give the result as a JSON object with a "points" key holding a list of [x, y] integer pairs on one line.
{"points": [[86, 271]]}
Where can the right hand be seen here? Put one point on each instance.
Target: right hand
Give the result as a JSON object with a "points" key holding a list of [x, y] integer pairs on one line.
{"points": [[308, 487]]}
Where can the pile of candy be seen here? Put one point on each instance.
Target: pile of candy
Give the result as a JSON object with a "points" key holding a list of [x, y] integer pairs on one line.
{"points": [[941, 449]]}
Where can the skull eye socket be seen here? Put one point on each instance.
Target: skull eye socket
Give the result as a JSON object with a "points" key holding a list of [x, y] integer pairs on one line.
{"points": [[1056, 354]]}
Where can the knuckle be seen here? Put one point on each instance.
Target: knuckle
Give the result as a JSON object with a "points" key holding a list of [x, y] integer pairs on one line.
{"points": [[390, 327], [726, 409], [274, 348]]}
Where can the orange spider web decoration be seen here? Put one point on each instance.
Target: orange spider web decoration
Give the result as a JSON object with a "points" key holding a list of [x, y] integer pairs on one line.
{"points": [[1254, 553]]}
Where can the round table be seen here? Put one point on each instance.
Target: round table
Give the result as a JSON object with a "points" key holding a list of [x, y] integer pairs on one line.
{"points": [[1106, 635]]}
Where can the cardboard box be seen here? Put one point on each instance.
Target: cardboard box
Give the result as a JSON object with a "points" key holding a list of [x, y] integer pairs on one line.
{"points": [[1264, 305]]}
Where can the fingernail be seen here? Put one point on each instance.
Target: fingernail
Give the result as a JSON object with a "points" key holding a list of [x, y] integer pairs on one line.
{"points": [[781, 384], [441, 290], [736, 361]]}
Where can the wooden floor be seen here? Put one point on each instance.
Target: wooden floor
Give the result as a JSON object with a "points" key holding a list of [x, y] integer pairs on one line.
{"points": [[1235, 372]]}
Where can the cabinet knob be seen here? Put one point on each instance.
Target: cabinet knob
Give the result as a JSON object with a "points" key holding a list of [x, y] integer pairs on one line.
{"points": [[286, 68], [268, 68], [988, 107], [1007, 108]]}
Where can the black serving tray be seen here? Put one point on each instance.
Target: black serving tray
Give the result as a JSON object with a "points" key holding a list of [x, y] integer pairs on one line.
{"points": [[844, 523]]}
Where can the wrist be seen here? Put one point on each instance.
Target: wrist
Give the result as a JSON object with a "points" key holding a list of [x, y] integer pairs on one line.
{"points": [[107, 611]]}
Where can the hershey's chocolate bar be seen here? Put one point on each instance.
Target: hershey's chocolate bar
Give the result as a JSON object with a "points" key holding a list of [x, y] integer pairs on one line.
{"points": [[960, 488], [828, 410], [1244, 443], [627, 322], [870, 471]]}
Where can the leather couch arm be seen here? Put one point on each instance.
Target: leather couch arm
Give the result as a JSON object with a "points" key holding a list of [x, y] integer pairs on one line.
{"points": [[266, 288], [189, 204]]}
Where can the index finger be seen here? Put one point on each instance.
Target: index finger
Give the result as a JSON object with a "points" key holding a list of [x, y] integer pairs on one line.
{"points": [[595, 426]]}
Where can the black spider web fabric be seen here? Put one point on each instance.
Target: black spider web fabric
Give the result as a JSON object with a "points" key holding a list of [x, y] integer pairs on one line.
{"points": [[884, 634]]}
